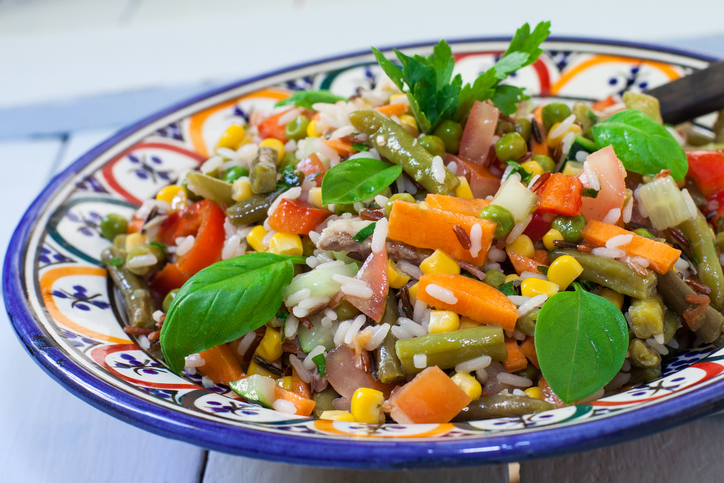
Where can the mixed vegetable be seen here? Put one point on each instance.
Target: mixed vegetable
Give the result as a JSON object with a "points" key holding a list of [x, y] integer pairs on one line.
{"points": [[430, 251]]}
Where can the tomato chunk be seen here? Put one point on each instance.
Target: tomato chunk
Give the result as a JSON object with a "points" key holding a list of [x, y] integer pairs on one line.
{"points": [[294, 216], [706, 168], [312, 168], [270, 128]]}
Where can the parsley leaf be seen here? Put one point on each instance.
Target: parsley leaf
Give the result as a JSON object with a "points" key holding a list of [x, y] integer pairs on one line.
{"points": [[360, 147], [508, 288], [525, 176], [365, 232], [320, 360]]}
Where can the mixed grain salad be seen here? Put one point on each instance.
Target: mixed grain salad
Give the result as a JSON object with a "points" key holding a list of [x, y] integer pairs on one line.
{"points": [[427, 251]]}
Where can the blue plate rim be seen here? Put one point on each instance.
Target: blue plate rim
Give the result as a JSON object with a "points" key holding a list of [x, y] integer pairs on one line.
{"points": [[353, 453]]}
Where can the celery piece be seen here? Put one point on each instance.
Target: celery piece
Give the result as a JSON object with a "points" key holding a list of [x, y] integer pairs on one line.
{"points": [[319, 281], [516, 198], [664, 203]]}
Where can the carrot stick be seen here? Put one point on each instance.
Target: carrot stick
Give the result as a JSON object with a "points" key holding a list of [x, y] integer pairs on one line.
{"points": [[516, 360], [603, 104], [661, 256], [541, 256], [535, 146], [521, 263], [220, 365], [425, 227], [343, 148], [528, 349], [304, 406], [300, 387], [475, 299], [392, 109], [135, 226], [465, 206]]}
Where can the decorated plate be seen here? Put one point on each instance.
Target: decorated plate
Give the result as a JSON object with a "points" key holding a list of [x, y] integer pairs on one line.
{"points": [[65, 312]]}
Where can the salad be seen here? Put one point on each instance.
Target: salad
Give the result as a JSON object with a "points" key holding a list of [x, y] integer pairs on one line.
{"points": [[428, 250]]}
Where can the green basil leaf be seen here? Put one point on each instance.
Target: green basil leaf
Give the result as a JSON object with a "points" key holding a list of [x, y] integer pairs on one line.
{"points": [[581, 341], [364, 233], [320, 360], [642, 145], [542, 269], [508, 289], [116, 262], [525, 176], [360, 147], [590, 193], [357, 179], [223, 302], [309, 98]]}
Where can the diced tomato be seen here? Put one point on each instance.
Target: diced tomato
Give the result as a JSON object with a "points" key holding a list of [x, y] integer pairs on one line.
{"points": [[479, 131], [294, 216], [717, 202], [561, 195], [482, 182], [539, 225], [168, 279], [374, 273], [706, 168], [610, 172], [312, 168], [270, 128]]}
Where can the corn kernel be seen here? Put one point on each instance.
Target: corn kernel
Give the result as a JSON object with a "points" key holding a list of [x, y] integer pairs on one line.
{"points": [[533, 167], [241, 189], [413, 293], [276, 145], [572, 168], [396, 96], [255, 368], [443, 321], [553, 142], [468, 384], [564, 270], [232, 138], [312, 129], [286, 244], [522, 246], [337, 416], [551, 236], [134, 240], [174, 195], [466, 322], [285, 382], [270, 347], [463, 190], [612, 296], [409, 124], [511, 278], [366, 406], [533, 392], [315, 197], [255, 238], [440, 262], [532, 287], [395, 277]]}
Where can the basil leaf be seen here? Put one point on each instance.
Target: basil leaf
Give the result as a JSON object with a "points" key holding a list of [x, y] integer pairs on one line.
{"points": [[357, 179], [223, 302], [360, 147], [309, 98], [321, 362], [542, 269], [590, 193], [364, 233], [581, 341], [116, 262], [642, 145], [525, 176], [508, 289]]}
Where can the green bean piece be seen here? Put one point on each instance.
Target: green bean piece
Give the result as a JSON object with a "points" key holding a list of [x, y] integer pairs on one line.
{"points": [[451, 133], [134, 289], [399, 147], [510, 147], [491, 407], [213, 189], [252, 209], [113, 225], [643, 103], [263, 172], [641, 375], [501, 217], [718, 128], [168, 299], [553, 113], [389, 368], [522, 127], [504, 127], [531, 372], [584, 115], [571, 227], [120, 242], [674, 290], [447, 349], [398, 196], [607, 272], [192, 197], [642, 355], [234, 173], [707, 260], [323, 401], [297, 128], [341, 208], [157, 252], [526, 324], [345, 310], [671, 323], [494, 278], [433, 145], [647, 317], [289, 159]]}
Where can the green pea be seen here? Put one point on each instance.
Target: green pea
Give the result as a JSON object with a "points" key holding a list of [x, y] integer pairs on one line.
{"points": [[297, 128], [504, 126], [451, 133], [346, 310], [570, 227], [340, 208], [546, 162], [522, 127], [499, 215], [553, 113], [399, 196], [113, 224], [287, 160], [152, 249], [433, 145], [168, 299], [120, 242], [308, 246], [510, 147], [234, 173]]}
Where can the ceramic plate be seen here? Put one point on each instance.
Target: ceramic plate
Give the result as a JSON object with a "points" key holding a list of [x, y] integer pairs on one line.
{"points": [[66, 314]]}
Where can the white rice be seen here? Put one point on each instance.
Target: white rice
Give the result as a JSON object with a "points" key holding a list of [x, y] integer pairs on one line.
{"points": [[378, 336], [591, 178], [619, 240], [314, 236], [354, 328], [379, 236], [608, 252], [413, 271], [497, 255], [415, 329], [481, 375], [628, 210], [284, 406], [330, 313], [655, 345], [297, 297], [140, 261], [533, 303], [321, 148], [291, 326], [618, 381], [354, 290], [342, 132], [612, 216], [290, 194], [311, 302], [643, 262], [158, 316], [336, 263], [442, 294], [410, 186], [266, 241], [308, 362], [341, 332], [533, 179], [566, 144], [564, 126], [596, 395], [476, 240], [626, 366], [639, 203], [527, 275], [289, 116], [673, 344], [419, 310], [401, 333], [681, 264], [473, 365], [381, 200], [513, 380], [690, 203], [581, 156], [438, 169], [194, 360], [659, 338], [212, 164], [518, 229], [207, 382], [234, 246], [419, 361], [453, 167], [303, 374], [247, 153], [518, 299], [290, 146], [300, 312], [246, 343], [326, 322], [185, 246]]}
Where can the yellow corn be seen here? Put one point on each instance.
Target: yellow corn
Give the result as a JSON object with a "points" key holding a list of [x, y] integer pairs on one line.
{"points": [[312, 129], [468, 384], [466, 322], [286, 244], [463, 190], [551, 236], [337, 416], [241, 189], [396, 96], [409, 124], [395, 278], [511, 278], [255, 368], [440, 262], [533, 167], [522, 246], [276, 145], [174, 195], [232, 138], [315, 197], [270, 347], [612, 296], [533, 392], [285, 382], [553, 142], [532, 287], [413, 293], [572, 168], [255, 238], [134, 240], [564, 270], [443, 321], [366, 405]]}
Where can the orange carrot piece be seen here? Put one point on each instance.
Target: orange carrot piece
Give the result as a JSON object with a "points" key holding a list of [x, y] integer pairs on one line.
{"points": [[603, 104], [541, 256], [516, 360], [304, 405], [300, 387], [431, 397], [466, 206], [135, 226], [343, 148], [535, 146], [521, 263], [661, 256], [527, 347], [475, 299], [425, 227], [220, 365], [392, 109]]}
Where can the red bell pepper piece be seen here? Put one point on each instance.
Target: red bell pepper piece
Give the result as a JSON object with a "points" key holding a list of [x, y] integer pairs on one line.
{"points": [[312, 168], [270, 128], [168, 279], [561, 195], [482, 182], [706, 168], [539, 225], [295, 216]]}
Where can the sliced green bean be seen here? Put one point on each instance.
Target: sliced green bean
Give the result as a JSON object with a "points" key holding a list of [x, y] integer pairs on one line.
{"points": [[647, 317], [252, 209], [704, 252], [136, 294], [671, 324], [210, 188], [263, 172], [641, 375], [389, 368], [490, 407], [642, 355], [526, 324], [323, 400]]}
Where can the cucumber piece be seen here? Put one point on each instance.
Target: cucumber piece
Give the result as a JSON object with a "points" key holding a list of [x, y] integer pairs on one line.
{"points": [[255, 389], [317, 335], [516, 198], [319, 281]]}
